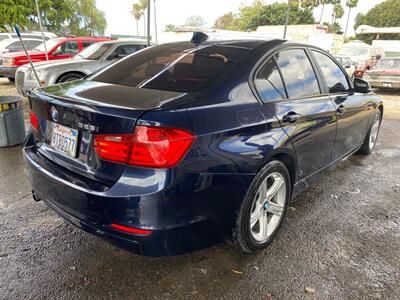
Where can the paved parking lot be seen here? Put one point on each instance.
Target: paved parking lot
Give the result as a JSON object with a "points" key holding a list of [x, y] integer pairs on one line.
{"points": [[341, 239]]}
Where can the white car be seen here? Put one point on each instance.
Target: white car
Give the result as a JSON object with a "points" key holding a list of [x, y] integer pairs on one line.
{"points": [[11, 45], [32, 35], [93, 58]]}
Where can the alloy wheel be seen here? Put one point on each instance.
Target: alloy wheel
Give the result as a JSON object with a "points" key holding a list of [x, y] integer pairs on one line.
{"points": [[268, 207]]}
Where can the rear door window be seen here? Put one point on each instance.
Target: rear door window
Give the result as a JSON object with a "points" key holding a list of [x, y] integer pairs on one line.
{"points": [[298, 74], [268, 82], [334, 77], [86, 44], [181, 68], [70, 47], [15, 46]]}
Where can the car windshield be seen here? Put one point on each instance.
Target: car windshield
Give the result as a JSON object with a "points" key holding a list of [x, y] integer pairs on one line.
{"points": [[5, 43], [183, 67], [95, 51], [388, 63], [50, 44], [354, 51]]}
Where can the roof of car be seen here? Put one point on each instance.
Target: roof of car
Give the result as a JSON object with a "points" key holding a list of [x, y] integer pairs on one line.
{"points": [[124, 41], [249, 43]]}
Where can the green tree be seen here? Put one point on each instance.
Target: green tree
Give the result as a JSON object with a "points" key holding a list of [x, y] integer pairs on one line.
{"points": [[275, 14], [385, 14], [338, 12], [170, 27], [309, 4], [227, 21], [88, 20], [137, 14], [350, 4], [333, 27], [82, 16], [195, 21]]}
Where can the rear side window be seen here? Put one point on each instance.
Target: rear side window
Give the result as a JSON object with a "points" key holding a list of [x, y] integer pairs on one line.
{"points": [[86, 44], [268, 82], [298, 74], [334, 77], [15, 46], [182, 68]]}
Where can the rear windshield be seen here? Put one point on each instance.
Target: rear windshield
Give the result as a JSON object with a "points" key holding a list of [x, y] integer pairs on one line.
{"points": [[388, 63], [179, 68]]}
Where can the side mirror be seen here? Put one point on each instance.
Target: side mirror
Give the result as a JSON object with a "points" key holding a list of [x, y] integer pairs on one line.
{"points": [[361, 86], [113, 56], [347, 66]]}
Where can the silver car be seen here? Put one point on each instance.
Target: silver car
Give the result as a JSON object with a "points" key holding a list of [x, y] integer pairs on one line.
{"points": [[91, 59]]}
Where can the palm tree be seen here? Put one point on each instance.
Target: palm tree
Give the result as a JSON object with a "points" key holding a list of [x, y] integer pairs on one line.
{"points": [[137, 14], [143, 6], [350, 4], [323, 2]]}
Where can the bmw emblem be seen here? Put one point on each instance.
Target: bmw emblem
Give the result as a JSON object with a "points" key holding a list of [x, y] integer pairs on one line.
{"points": [[54, 113]]}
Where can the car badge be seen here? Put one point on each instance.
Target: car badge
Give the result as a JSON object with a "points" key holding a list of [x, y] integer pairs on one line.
{"points": [[54, 114]]}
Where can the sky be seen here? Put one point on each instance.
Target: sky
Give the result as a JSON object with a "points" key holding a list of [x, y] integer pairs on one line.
{"points": [[120, 20]]}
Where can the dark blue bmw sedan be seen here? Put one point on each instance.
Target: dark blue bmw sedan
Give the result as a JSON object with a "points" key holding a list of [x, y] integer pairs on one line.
{"points": [[182, 145]]}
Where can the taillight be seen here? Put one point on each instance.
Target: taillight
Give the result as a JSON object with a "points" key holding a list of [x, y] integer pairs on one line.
{"points": [[155, 147], [130, 229], [34, 120]]}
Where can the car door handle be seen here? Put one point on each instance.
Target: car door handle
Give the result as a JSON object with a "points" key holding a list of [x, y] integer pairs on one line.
{"points": [[340, 109], [291, 117]]}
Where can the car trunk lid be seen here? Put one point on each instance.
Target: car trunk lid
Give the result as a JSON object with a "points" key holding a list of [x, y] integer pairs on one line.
{"points": [[81, 109]]}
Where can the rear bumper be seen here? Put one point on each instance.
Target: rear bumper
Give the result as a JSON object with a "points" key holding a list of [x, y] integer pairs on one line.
{"points": [[8, 72], [384, 84], [187, 212]]}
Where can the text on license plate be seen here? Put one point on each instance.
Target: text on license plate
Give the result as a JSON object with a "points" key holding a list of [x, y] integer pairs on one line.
{"points": [[64, 139]]}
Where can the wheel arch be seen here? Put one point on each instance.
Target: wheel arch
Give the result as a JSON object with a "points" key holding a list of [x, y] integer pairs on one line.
{"points": [[380, 107], [69, 72], [288, 158]]}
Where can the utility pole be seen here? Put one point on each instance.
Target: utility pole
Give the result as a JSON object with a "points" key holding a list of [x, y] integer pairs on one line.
{"points": [[41, 28], [287, 19], [155, 21], [148, 22]]}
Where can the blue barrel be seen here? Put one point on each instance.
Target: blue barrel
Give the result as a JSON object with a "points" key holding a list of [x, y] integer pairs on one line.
{"points": [[12, 128]]}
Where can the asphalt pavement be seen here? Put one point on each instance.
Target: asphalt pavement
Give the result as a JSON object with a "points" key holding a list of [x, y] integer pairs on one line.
{"points": [[340, 240]]}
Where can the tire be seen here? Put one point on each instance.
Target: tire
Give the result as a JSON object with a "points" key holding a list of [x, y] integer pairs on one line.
{"points": [[253, 238], [372, 134], [69, 77], [11, 79]]}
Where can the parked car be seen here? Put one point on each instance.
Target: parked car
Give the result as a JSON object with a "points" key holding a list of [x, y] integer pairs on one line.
{"points": [[385, 74], [182, 145], [31, 35], [364, 56], [91, 59], [57, 48], [13, 45], [347, 64]]}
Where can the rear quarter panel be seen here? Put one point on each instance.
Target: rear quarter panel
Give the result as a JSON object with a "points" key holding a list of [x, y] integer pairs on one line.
{"points": [[234, 136]]}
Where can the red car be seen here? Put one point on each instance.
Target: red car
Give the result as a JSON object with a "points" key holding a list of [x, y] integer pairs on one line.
{"points": [[57, 48]]}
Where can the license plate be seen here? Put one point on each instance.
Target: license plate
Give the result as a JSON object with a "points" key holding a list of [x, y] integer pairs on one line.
{"points": [[64, 139], [386, 84]]}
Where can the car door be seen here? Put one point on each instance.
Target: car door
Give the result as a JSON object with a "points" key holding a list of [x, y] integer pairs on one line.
{"points": [[119, 52], [353, 110], [289, 87], [66, 49]]}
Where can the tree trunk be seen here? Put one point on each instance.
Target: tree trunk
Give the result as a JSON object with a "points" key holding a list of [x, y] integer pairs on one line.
{"points": [[137, 27], [322, 13], [347, 22], [144, 24]]}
